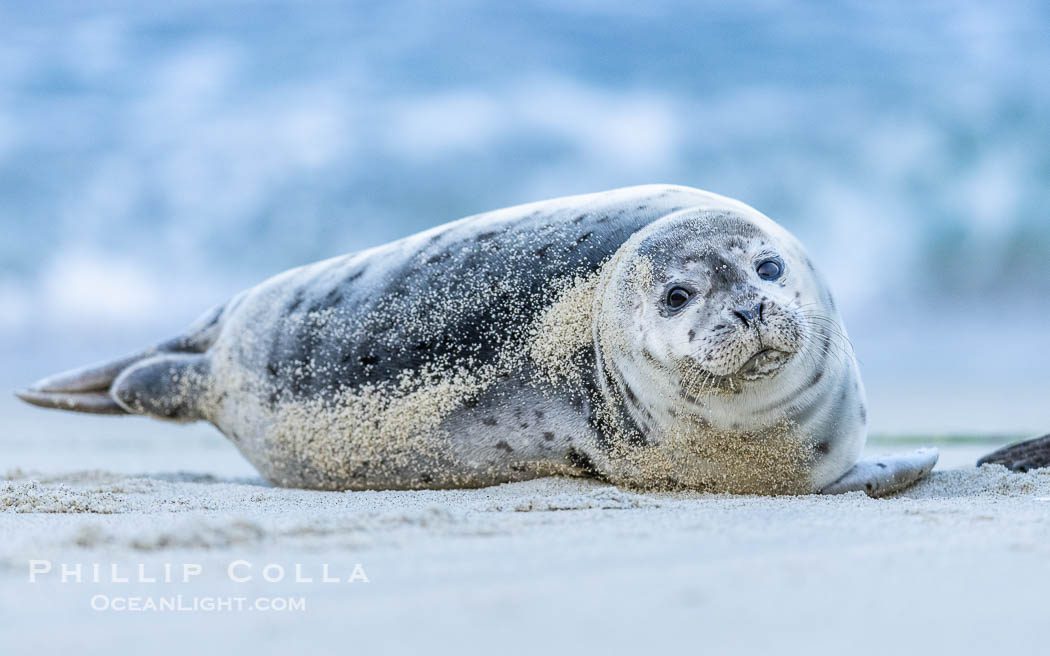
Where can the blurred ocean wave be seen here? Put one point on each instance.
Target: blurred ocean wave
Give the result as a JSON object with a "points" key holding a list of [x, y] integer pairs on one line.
{"points": [[157, 157]]}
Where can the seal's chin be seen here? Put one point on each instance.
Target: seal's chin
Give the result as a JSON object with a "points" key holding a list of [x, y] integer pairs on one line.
{"points": [[764, 364]]}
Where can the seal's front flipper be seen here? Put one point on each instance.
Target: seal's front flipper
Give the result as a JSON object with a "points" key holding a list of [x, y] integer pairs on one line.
{"points": [[1020, 457], [885, 475]]}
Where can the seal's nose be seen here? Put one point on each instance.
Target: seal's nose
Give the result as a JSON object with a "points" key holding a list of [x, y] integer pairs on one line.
{"points": [[750, 316]]}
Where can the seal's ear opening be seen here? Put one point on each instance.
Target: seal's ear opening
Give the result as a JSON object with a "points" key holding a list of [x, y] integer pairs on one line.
{"points": [[1022, 456]]}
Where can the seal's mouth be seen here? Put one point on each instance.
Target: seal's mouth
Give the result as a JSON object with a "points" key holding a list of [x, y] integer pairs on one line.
{"points": [[763, 364]]}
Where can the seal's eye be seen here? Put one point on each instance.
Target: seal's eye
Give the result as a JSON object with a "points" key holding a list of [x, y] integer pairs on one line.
{"points": [[769, 269], [677, 297]]}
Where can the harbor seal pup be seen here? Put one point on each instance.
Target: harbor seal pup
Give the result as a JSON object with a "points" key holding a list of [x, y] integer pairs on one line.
{"points": [[659, 337]]}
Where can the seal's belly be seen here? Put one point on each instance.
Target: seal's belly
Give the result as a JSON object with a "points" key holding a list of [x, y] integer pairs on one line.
{"points": [[427, 432]]}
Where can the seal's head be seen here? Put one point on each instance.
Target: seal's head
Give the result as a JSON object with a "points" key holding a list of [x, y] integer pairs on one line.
{"points": [[716, 313]]}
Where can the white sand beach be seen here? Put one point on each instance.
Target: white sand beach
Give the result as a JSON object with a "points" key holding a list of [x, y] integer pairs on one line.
{"points": [[956, 564]]}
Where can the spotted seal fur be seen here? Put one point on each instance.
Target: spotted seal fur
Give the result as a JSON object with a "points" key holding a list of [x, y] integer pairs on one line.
{"points": [[656, 337]]}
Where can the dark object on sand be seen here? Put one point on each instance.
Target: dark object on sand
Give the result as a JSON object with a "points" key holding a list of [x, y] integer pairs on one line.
{"points": [[1022, 456]]}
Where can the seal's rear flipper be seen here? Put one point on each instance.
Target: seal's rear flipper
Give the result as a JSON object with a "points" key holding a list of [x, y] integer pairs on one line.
{"points": [[1020, 457], [98, 403], [165, 385], [168, 386], [80, 390], [885, 475], [164, 381]]}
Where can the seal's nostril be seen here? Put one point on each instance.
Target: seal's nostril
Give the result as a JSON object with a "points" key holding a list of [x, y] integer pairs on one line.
{"points": [[750, 316]]}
